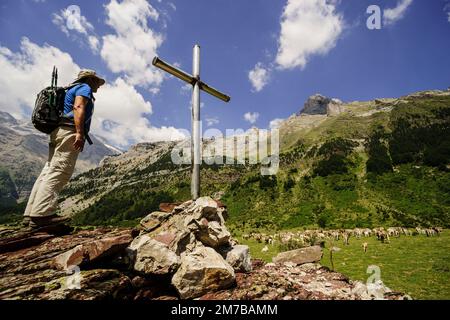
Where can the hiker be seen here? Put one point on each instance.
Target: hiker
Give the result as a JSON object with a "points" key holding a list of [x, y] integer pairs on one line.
{"points": [[66, 142]]}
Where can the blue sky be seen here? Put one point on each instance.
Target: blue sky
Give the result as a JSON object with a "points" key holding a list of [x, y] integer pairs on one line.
{"points": [[295, 48]]}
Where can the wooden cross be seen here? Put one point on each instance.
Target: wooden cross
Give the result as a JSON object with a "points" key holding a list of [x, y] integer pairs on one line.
{"points": [[197, 85]]}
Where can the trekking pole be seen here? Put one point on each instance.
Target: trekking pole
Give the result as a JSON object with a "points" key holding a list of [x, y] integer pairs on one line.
{"points": [[53, 86], [53, 77], [55, 100]]}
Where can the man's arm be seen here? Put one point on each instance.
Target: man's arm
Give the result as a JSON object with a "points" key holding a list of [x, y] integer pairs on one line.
{"points": [[79, 111]]}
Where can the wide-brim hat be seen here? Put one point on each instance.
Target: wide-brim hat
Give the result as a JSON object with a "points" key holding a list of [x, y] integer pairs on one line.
{"points": [[86, 73]]}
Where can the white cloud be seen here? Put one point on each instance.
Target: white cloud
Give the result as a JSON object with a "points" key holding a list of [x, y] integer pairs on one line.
{"points": [[119, 109], [94, 43], [26, 72], [392, 15], [259, 77], [119, 116], [308, 27], [174, 7], [251, 117], [186, 89], [72, 23], [447, 10], [210, 121], [71, 19], [275, 123], [132, 48], [154, 90]]}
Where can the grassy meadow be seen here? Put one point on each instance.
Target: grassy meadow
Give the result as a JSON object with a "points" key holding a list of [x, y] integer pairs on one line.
{"points": [[416, 265]]}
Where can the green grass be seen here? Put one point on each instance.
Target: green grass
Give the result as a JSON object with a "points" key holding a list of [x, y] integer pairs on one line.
{"points": [[415, 265]]}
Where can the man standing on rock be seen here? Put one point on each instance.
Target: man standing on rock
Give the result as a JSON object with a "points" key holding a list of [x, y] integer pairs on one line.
{"points": [[66, 142]]}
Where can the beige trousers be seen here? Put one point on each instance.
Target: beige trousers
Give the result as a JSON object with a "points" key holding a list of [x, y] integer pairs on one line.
{"points": [[57, 172]]}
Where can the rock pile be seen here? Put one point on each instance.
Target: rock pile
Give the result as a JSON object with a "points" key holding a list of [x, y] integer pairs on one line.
{"points": [[192, 245]]}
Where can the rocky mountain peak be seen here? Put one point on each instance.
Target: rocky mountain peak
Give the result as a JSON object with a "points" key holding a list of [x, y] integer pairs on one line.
{"points": [[5, 117], [319, 104]]}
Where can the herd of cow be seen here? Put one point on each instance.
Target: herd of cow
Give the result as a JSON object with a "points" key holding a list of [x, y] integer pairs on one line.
{"points": [[315, 236]]}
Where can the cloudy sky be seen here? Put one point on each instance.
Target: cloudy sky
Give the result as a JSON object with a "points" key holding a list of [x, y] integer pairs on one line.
{"points": [[269, 56]]}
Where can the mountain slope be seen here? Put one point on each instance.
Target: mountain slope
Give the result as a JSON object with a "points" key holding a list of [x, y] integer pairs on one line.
{"points": [[24, 150], [382, 162]]}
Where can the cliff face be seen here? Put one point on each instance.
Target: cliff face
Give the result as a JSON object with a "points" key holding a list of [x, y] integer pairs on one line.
{"points": [[319, 104]]}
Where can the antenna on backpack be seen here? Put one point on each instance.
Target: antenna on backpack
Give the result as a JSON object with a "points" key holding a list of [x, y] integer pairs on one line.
{"points": [[56, 77], [52, 98], [53, 76]]}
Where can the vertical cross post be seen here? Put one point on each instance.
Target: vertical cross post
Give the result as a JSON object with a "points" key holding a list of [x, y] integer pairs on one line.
{"points": [[195, 137], [197, 85]]}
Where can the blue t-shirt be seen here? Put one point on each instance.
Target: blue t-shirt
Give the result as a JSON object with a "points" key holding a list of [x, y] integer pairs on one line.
{"points": [[83, 90]]}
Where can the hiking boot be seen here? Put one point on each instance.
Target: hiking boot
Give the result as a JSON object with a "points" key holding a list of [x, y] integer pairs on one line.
{"points": [[37, 222]]}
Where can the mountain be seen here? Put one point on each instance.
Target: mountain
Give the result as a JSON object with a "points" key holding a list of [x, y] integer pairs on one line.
{"points": [[342, 165], [23, 152]]}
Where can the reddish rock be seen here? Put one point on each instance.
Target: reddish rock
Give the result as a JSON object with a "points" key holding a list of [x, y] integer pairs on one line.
{"points": [[165, 237], [23, 241], [29, 273], [300, 256], [167, 206], [91, 251], [154, 220]]}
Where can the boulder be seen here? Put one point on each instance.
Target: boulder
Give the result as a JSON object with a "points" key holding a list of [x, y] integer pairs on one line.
{"points": [[300, 256], [168, 207], [212, 233], [360, 289], [371, 291], [201, 271], [154, 220], [165, 237], [150, 256], [182, 206], [184, 241], [205, 202], [206, 209], [239, 258], [91, 251], [206, 206], [377, 290]]}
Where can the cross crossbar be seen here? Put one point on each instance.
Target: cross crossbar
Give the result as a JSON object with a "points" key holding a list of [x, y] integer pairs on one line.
{"points": [[186, 77], [197, 85]]}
